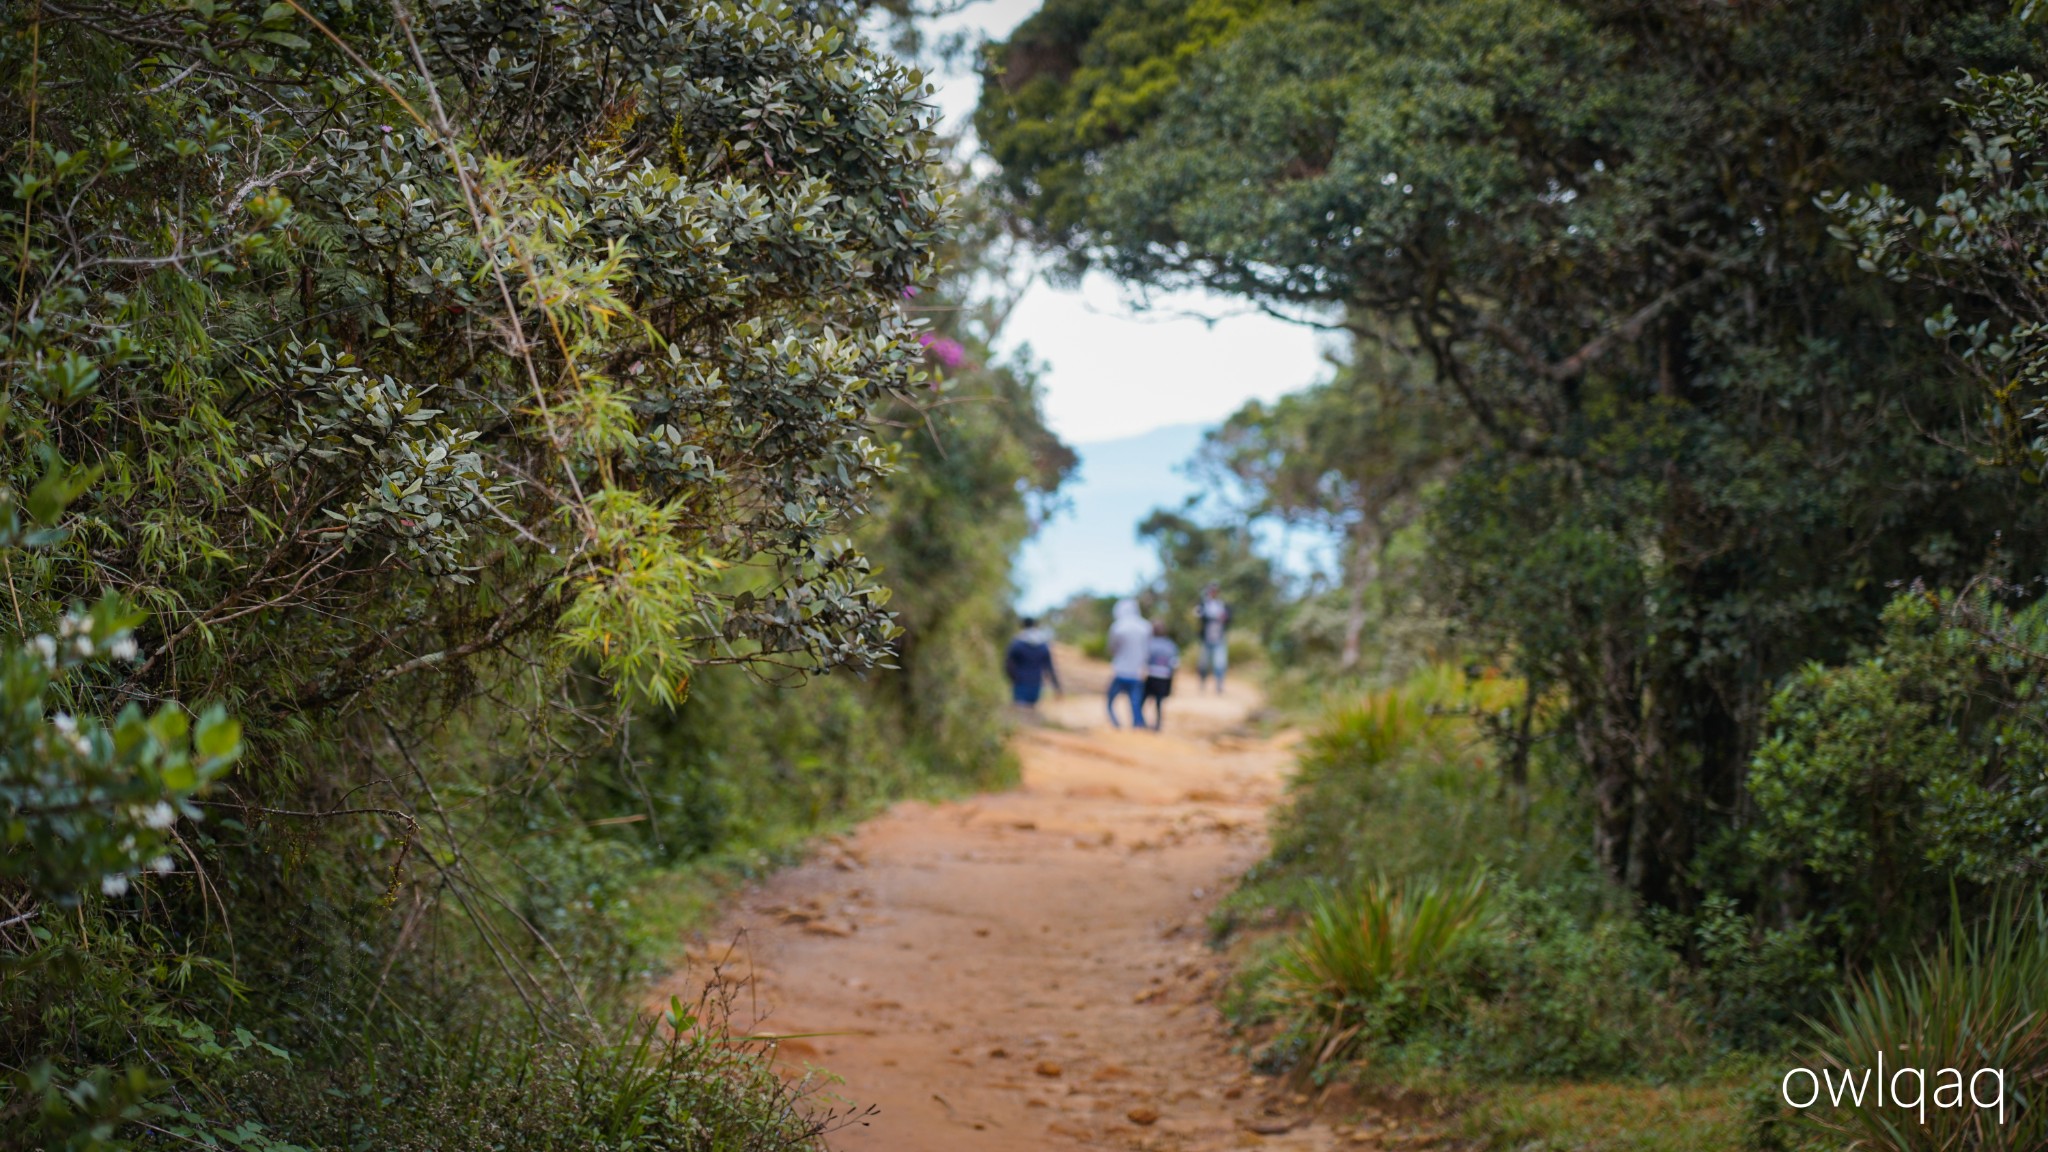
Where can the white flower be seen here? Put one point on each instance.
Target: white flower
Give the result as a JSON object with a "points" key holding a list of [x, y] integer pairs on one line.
{"points": [[113, 885], [47, 646], [159, 816], [65, 723], [125, 648], [162, 864], [83, 645]]}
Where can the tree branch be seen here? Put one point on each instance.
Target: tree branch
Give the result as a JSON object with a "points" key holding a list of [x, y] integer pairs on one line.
{"points": [[1599, 346]]}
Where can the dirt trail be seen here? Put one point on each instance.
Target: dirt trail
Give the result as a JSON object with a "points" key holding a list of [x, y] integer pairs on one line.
{"points": [[1026, 969]]}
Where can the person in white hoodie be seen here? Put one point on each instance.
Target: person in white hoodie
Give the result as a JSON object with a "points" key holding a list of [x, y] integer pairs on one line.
{"points": [[1130, 639]]}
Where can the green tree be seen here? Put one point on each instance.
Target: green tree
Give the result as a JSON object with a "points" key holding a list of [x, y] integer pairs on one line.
{"points": [[455, 380], [1885, 782], [1706, 445], [1193, 555], [745, 762], [1350, 458]]}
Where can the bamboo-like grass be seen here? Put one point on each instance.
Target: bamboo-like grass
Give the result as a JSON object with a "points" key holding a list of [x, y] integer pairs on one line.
{"points": [[1979, 1000], [1358, 950]]}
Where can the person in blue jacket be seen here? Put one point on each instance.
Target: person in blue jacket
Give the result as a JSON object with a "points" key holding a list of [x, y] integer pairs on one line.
{"points": [[1028, 664]]}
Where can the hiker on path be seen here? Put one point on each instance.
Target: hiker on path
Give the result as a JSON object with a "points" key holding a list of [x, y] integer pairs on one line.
{"points": [[1130, 642], [1214, 616], [1162, 660], [1028, 664]]}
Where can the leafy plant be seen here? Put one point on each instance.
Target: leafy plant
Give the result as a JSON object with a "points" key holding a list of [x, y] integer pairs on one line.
{"points": [[1977, 1001], [1375, 958], [1369, 731], [87, 805], [1880, 783], [434, 387], [1360, 943], [1532, 967]]}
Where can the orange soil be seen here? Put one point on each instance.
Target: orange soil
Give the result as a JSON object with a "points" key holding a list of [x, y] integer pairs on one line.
{"points": [[1027, 969]]}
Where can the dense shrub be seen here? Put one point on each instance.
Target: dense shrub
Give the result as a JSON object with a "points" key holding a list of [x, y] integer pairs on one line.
{"points": [[1560, 996], [458, 394], [1548, 974], [1883, 782]]}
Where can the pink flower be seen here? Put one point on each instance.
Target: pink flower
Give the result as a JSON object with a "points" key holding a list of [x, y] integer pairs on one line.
{"points": [[909, 290], [945, 351]]}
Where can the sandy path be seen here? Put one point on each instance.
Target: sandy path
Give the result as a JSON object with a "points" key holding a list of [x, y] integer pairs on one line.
{"points": [[1026, 970]]}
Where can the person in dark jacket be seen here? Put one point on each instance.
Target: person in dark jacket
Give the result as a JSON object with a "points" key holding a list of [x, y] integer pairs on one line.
{"points": [[1214, 617], [1162, 660], [1028, 664]]}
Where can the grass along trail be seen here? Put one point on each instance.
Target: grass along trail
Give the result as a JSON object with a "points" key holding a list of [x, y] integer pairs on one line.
{"points": [[1027, 969]]}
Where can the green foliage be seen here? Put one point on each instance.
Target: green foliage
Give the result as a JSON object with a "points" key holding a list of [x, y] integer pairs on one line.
{"points": [[1673, 447], [745, 766], [1972, 247], [1669, 455], [1353, 458], [1566, 995], [699, 1089], [449, 388], [1399, 783], [1754, 981], [1882, 783], [1973, 1002], [1374, 730], [1370, 962], [89, 804], [436, 333], [1529, 967], [1614, 1117]]}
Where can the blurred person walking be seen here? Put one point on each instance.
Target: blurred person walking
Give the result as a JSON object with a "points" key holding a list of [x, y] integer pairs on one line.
{"points": [[1028, 664], [1214, 616], [1162, 660], [1130, 641]]}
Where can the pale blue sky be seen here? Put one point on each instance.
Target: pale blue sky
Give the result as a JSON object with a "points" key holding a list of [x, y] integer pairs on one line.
{"points": [[1130, 383], [1092, 545]]}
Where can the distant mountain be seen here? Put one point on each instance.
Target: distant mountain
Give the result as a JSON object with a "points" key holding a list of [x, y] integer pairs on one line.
{"points": [[1093, 545]]}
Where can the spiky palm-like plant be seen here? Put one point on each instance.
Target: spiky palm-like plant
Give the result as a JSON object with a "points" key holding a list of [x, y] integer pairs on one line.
{"points": [[1383, 953], [1978, 1001]]}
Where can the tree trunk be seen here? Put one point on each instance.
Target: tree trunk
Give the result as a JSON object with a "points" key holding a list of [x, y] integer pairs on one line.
{"points": [[1365, 568], [1518, 754], [1609, 729]]}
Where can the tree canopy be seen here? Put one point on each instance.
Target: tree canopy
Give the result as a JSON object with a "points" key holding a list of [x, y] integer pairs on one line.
{"points": [[1704, 445]]}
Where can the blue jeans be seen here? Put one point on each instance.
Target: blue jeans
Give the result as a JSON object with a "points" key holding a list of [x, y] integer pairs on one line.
{"points": [[1215, 661], [1132, 690]]}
